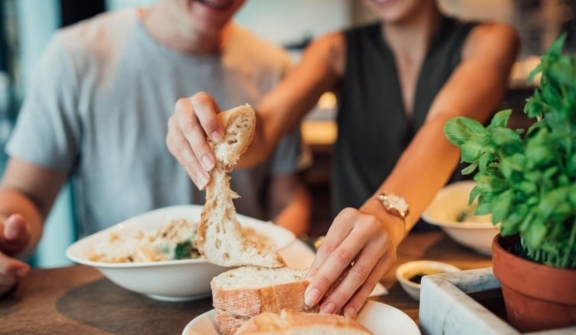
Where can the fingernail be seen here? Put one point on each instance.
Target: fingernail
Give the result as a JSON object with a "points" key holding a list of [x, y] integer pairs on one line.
{"points": [[202, 179], [349, 312], [328, 308], [10, 233], [311, 298], [22, 272], [207, 163], [217, 136]]}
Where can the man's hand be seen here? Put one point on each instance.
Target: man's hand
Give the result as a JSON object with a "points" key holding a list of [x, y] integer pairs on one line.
{"points": [[356, 253], [14, 237], [194, 120]]}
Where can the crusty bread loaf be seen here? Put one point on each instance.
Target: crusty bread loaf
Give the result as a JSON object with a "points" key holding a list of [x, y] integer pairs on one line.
{"points": [[220, 238], [249, 291], [292, 323]]}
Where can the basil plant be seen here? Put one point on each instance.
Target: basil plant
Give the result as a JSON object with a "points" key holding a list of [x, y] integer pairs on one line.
{"points": [[527, 180]]}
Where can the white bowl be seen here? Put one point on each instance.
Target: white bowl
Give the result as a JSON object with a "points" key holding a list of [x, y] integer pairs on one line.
{"points": [[175, 280], [407, 270], [449, 203]]}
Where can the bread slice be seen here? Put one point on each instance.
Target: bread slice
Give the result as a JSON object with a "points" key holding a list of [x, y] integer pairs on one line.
{"points": [[220, 238], [228, 323], [249, 291], [292, 323]]}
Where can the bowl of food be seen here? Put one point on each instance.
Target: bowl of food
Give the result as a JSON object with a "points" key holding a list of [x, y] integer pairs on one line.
{"points": [[410, 274], [155, 253], [450, 211]]}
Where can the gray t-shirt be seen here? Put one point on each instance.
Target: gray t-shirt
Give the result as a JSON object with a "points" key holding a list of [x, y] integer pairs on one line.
{"points": [[98, 109]]}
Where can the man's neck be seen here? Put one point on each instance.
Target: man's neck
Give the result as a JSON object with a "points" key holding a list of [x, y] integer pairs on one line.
{"points": [[165, 28], [412, 36]]}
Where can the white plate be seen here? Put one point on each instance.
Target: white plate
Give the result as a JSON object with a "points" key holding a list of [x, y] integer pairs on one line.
{"points": [[379, 318]]}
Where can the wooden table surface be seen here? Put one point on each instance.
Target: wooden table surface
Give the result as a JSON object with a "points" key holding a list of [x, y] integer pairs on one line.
{"points": [[79, 300]]}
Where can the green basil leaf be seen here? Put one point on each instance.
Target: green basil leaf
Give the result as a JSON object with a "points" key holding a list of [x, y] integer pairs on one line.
{"points": [[527, 187], [550, 172], [474, 194], [460, 130], [555, 49], [483, 207], [510, 164], [469, 169], [500, 119], [501, 205], [571, 166], [535, 234], [502, 136], [538, 154], [534, 72], [572, 195], [485, 160], [471, 151], [551, 200], [561, 213]]}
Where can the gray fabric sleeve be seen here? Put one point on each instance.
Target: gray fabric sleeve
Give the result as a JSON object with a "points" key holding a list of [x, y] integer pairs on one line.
{"points": [[47, 131]]}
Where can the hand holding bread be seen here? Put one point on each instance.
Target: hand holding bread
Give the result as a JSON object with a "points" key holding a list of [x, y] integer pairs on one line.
{"points": [[354, 238]]}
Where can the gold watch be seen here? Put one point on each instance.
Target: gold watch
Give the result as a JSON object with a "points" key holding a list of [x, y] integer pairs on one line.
{"points": [[395, 205]]}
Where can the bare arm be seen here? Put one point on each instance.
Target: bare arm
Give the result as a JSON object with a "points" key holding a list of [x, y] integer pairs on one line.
{"points": [[279, 111], [369, 236], [290, 202], [27, 193]]}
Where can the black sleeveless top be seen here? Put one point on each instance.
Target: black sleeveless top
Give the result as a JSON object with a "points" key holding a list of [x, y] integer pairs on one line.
{"points": [[373, 128]]}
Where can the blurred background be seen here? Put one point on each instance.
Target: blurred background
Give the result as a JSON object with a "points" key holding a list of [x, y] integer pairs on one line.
{"points": [[26, 26]]}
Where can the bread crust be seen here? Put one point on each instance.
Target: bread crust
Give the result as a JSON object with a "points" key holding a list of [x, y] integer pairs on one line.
{"points": [[228, 323], [253, 301]]}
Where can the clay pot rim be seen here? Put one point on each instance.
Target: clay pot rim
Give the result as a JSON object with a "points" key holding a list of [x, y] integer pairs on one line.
{"points": [[508, 253], [535, 271]]}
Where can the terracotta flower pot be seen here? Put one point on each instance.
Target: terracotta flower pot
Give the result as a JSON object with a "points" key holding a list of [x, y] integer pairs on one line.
{"points": [[537, 296]]}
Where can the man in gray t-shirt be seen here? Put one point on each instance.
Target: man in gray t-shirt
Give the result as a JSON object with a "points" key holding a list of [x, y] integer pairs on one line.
{"points": [[97, 114]]}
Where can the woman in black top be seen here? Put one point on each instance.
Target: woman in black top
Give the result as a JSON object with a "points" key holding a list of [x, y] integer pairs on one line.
{"points": [[399, 81]]}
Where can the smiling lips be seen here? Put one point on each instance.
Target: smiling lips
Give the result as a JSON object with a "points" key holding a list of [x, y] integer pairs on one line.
{"points": [[217, 4]]}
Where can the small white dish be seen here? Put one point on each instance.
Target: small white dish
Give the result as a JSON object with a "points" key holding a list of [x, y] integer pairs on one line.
{"points": [[419, 268], [379, 318], [475, 232], [177, 280]]}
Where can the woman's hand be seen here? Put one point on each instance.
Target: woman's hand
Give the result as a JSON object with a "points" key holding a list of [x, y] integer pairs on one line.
{"points": [[14, 237], [194, 119], [357, 251]]}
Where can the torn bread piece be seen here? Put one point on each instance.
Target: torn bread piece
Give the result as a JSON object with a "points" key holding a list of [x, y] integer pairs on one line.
{"points": [[220, 238], [291, 322]]}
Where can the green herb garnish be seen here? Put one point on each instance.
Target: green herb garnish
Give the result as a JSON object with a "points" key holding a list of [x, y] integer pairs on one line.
{"points": [[183, 250]]}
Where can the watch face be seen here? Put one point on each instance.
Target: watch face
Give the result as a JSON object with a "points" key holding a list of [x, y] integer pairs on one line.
{"points": [[394, 204], [397, 202]]}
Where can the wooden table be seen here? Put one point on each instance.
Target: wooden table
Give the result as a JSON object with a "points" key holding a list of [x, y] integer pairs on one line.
{"points": [[79, 300]]}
